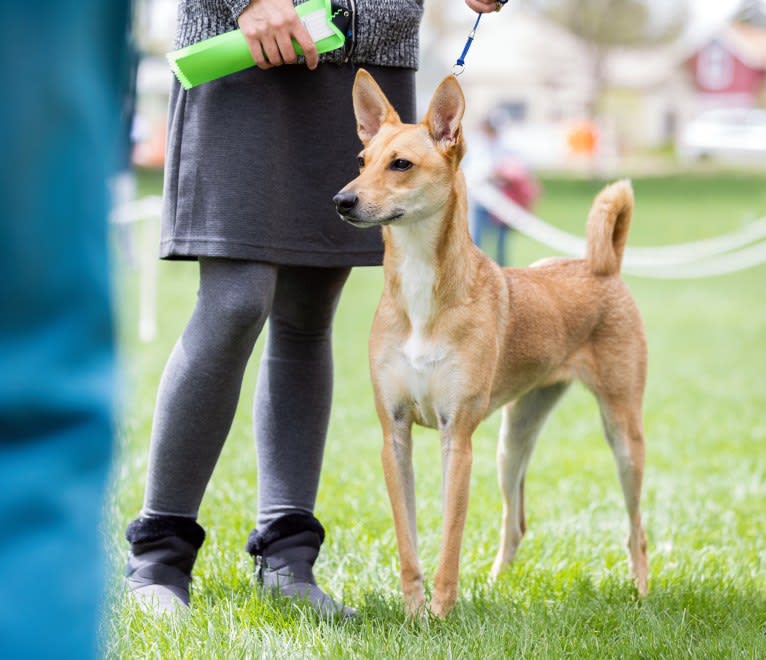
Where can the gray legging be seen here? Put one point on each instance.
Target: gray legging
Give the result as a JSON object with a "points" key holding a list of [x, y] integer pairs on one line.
{"points": [[201, 384]]}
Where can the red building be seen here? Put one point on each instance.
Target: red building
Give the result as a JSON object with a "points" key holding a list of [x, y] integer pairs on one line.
{"points": [[731, 69]]}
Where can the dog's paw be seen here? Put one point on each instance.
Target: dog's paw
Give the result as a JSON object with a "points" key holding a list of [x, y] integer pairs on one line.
{"points": [[501, 563], [415, 606], [442, 602], [642, 585], [639, 564], [441, 608], [497, 568], [418, 616]]}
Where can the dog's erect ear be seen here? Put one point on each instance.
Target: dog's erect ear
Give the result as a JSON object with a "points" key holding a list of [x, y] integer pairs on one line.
{"points": [[446, 112], [371, 107]]}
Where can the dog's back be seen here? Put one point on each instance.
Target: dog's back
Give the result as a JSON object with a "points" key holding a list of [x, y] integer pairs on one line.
{"points": [[561, 308]]}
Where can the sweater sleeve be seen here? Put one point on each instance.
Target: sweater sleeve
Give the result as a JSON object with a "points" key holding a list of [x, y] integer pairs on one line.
{"points": [[236, 7]]}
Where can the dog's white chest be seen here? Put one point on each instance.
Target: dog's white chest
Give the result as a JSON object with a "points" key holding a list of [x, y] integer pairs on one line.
{"points": [[421, 361], [421, 366], [417, 282], [420, 352], [422, 355]]}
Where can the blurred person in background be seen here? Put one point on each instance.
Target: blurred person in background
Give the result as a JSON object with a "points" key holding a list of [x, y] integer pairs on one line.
{"points": [[490, 163], [59, 136], [488, 160], [253, 162], [484, 153], [515, 180]]}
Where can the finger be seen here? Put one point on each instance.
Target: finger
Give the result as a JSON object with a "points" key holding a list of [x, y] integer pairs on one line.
{"points": [[286, 48], [481, 6], [302, 36], [258, 55], [256, 50], [271, 50]]}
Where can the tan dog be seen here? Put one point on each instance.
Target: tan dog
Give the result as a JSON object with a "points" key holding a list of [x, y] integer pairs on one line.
{"points": [[455, 336]]}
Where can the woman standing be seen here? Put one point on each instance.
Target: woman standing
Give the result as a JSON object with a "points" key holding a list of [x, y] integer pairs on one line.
{"points": [[253, 162]]}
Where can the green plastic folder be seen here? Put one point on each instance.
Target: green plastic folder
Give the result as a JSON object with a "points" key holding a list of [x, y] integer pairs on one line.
{"points": [[228, 53]]}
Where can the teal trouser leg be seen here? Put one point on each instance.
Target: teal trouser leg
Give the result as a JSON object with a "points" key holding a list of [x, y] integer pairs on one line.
{"points": [[61, 65]]}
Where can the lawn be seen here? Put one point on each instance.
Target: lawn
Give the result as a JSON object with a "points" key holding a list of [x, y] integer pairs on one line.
{"points": [[568, 593]]}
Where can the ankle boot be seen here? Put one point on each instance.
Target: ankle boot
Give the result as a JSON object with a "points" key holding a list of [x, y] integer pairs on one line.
{"points": [[162, 555], [284, 554]]}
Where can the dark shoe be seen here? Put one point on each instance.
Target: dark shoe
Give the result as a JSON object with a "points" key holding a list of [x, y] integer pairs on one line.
{"points": [[284, 553], [162, 555]]}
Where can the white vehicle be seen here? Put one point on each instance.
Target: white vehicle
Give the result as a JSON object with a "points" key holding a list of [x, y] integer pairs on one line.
{"points": [[737, 134]]}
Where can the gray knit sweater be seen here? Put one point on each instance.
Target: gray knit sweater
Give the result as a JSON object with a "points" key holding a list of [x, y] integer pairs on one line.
{"points": [[385, 32]]}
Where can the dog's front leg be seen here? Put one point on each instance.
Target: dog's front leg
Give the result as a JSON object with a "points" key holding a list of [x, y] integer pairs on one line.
{"points": [[456, 469], [400, 481]]}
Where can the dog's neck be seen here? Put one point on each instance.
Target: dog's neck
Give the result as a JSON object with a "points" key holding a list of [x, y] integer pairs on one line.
{"points": [[429, 264]]}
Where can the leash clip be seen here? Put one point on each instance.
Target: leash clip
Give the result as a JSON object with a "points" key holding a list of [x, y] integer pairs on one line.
{"points": [[459, 66]]}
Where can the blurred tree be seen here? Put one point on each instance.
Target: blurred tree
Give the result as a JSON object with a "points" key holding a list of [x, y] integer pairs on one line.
{"points": [[610, 23], [606, 24]]}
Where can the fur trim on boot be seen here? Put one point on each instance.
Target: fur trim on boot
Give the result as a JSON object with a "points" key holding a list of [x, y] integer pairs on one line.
{"points": [[162, 555], [284, 554]]}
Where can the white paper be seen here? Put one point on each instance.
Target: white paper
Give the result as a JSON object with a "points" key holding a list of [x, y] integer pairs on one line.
{"points": [[316, 24]]}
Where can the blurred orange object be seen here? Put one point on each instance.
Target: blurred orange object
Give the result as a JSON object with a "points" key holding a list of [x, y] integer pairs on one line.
{"points": [[582, 138]]}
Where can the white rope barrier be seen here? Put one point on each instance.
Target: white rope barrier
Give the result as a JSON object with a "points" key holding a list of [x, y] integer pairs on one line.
{"points": [[723, 254], [720, 255], [136, 210], [723, 264]]}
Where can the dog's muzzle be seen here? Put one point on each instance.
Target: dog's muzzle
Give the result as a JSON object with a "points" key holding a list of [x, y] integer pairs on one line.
{"points": [[348, 208], [345, 201]]}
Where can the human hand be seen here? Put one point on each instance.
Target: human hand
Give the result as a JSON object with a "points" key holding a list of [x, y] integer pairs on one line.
{"points": [[482, 6], [269, 26]]}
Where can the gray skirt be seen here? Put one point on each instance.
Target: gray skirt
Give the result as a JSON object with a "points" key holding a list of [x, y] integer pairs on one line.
{"points": [[254, 160]]}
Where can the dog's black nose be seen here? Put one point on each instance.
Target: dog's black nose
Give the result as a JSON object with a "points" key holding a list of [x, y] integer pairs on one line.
{"points": [[345, 200]]}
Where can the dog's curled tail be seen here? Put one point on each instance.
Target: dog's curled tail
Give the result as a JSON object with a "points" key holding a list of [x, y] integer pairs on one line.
{"points": [[608, 224]]}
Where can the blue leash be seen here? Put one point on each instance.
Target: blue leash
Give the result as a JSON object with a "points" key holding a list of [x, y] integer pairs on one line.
{"points": [[459, 65]]}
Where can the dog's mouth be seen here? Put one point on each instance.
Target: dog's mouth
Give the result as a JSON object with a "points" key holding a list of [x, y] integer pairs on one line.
{"points": [[365, 223]]}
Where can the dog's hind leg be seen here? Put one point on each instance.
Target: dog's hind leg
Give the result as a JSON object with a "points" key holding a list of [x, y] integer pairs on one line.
{"points": [[400, 481], [521, 424], [624, 432]]}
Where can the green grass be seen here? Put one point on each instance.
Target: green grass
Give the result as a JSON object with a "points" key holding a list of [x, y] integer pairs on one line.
{"points": [[568, 594]]}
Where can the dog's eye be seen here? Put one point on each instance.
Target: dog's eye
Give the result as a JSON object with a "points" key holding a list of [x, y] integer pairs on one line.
{"points": [[360, 162], [401, 165]]}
